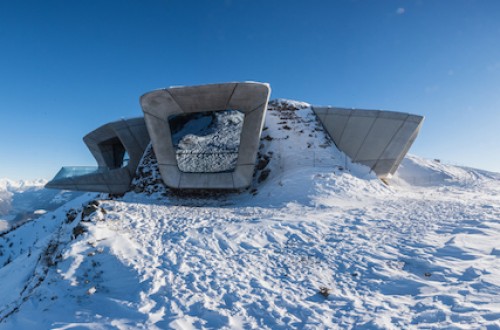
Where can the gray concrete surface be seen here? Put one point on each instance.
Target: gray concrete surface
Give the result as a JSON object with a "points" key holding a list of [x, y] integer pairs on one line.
{"points": [[248, 97], [108, 144], [375, 138]]}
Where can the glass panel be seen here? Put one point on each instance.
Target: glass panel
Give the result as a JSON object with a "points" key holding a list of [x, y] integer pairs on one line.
{"points": [[74, 171], [207, 142], [126, 159]]}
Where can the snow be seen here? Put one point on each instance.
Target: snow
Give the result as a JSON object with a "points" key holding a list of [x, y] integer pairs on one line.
{"points": [[211, 138], [23, 200], [421, 252], [20, 185]]}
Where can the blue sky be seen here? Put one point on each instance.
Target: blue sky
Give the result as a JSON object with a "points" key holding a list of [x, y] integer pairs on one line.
{"points": [[67, 67]]}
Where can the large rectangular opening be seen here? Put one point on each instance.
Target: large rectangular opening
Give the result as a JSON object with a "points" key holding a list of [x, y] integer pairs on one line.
{"points": [[207, 142]]}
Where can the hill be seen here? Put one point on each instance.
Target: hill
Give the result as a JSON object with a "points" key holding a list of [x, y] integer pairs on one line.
{"points": [[317, 242]]}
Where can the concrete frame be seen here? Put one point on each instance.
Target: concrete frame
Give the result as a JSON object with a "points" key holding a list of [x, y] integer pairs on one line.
{"points": [[375, 138], [128, 135], [248, 97]]}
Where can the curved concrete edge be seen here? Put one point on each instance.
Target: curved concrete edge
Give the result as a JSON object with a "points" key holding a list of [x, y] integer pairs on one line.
{"points": [[92, 140], [133, 135], [376, 138], [113, 182], [250, 98]]}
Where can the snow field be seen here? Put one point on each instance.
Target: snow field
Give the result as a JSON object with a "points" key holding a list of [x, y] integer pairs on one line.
{"points": [[422, 252]]}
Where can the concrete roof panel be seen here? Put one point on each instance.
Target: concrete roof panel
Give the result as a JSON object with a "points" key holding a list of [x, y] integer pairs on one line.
{"points": [[202, 98], [354, 134], [371, 135], [393, 115], [247, 97], [335, 126], [381, 133], [160, 104], [364, 113]]}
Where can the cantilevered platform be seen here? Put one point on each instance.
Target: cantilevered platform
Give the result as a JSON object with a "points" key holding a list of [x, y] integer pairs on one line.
{"points": [[118, 148]]}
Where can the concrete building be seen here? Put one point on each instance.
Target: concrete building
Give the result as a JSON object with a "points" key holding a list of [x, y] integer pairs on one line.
{"points": [[118, 148], [161, 106], [377, 139], [207, 137]]}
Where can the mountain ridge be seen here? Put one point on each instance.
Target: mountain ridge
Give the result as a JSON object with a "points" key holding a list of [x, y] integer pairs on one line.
{"points": [[315, 242]]}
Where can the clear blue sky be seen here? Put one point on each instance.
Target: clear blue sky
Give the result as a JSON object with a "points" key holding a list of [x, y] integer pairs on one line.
{"points": [[67, 67]]}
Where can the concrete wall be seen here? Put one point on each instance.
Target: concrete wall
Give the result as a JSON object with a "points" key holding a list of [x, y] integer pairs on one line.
{"points": [[132, 135], [249, 97], [377, 139]]}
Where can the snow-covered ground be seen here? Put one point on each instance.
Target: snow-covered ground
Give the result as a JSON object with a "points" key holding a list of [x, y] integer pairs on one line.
{"points": [[317, 242]]}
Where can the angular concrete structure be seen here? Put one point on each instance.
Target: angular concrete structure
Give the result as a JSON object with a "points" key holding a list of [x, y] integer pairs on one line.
{"points": [[377, 139], [207, 137], [249, 98], [109, 144]]}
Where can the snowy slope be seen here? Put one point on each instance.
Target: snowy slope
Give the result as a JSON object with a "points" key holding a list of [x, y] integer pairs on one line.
{"points": [[422, 252]]}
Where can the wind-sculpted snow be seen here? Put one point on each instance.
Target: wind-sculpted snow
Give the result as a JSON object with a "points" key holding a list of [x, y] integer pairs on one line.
{"points": [[401, 256]]}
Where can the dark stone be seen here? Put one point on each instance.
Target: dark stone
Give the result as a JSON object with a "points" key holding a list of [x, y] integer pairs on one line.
{"points": [[324, 291], [88, 210], [79, 230], [263, 175]]}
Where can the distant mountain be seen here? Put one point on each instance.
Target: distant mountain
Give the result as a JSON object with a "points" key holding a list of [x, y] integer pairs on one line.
{"points": [[20, 185], [26, 200]]}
